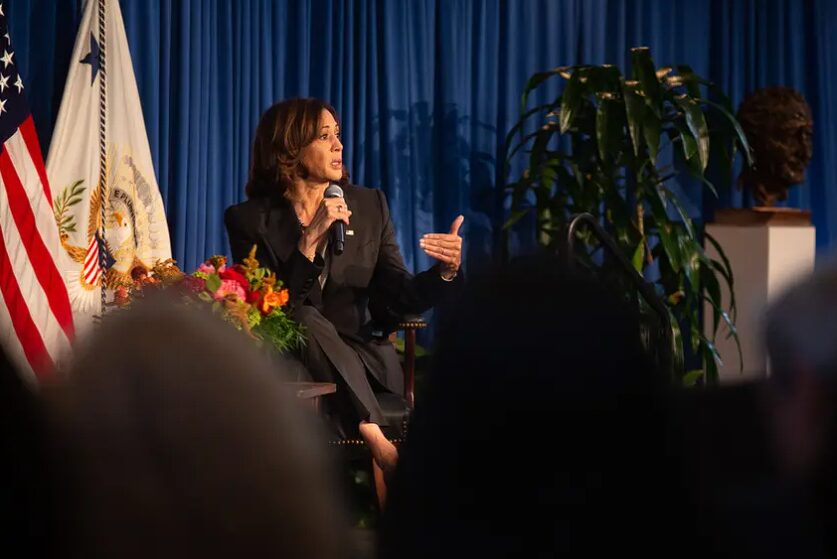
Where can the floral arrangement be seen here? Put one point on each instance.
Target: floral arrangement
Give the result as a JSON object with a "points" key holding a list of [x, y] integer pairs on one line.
{"points": [[246, 295]]}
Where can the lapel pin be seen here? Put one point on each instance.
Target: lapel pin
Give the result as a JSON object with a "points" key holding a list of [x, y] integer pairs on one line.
{"points": [[350, 232]]}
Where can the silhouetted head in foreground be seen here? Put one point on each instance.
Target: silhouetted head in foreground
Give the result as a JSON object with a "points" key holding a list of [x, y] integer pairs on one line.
{"points": [[801, 335], [543, 427], [177, 440]]}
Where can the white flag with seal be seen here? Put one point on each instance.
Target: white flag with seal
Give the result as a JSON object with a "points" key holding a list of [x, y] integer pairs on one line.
{"points": [[100, 168]]}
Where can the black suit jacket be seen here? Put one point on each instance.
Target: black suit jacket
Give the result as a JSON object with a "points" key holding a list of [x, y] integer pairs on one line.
{"points": [[368, 285]]}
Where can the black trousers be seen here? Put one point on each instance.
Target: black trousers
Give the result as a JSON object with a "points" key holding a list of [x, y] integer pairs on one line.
{"points": [[328, 358]]}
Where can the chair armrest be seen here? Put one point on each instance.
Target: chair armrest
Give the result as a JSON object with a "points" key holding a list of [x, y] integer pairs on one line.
{"points": [[411, 322]]}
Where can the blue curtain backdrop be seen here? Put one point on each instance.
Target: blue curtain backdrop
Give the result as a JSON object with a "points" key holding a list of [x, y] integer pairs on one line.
{"points": [[426, 89]]}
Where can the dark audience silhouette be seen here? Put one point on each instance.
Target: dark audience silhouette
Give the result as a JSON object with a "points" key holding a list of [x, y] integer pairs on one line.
{"points": [[176, 439], [544, 429]]}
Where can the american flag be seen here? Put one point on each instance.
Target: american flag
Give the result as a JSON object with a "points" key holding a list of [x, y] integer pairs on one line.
{"points": [[36, 320]]}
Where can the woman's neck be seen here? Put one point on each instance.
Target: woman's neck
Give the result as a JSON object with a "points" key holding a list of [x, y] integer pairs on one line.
{"points": [[306, 196]]}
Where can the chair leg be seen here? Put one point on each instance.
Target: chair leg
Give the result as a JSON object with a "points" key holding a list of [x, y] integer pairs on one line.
{"points": [[410, 366], [380, 485]]}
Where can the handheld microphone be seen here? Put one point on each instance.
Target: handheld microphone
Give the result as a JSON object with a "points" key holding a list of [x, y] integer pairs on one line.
{"points": [[338, 228]]}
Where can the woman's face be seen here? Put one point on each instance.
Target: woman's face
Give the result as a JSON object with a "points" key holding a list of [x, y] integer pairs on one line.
{"points": [[323, 158]]}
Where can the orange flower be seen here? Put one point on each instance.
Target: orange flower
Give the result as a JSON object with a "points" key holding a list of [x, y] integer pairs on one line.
{"points": [[284, 296], [273, 299]]}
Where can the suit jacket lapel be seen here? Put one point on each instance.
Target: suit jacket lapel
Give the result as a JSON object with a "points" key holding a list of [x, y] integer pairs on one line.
{"points": [[281, 231]]}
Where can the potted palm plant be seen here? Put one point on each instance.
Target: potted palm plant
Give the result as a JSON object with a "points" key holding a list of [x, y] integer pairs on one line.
{"points": [[611, 145]]}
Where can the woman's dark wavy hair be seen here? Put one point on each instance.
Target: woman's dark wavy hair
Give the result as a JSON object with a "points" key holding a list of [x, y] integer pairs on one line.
{"points": [[284, 129]]}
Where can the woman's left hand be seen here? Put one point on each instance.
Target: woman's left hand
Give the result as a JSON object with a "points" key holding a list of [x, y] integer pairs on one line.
{"points": [[446, 248]]}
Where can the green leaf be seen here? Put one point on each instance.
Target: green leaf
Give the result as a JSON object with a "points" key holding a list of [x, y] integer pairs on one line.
{"points": [[733, 332], [732, 310], [690, 254], [539, 147], [713, 290], [719, 268], [73, 190], [519, 190], [690, 147], [638, 259], [707, 183], [548, 128], [569, 185], [571, 98], [742, 138], [213, 282], [643, 71], [711, 360], [696, 122], [607, 133], [634, 112], [651, 130], [546, 233], [690, 80], [70, 196], [684, 215], [535, 81], [603, 79], [677, 353], [617, 213], [695, 335], [280, 331], [718, 92], [515, 217], [722, 151], [521, 121], [549, 174], [727, 274], [664, 229], [690, 379]]}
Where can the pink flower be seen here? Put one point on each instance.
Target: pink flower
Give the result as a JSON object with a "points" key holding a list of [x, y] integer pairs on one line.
{"points": [[229, 287], [208, 268]]}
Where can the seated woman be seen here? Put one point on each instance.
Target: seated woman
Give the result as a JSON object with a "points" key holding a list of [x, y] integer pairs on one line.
{"points": [[297, 154]]}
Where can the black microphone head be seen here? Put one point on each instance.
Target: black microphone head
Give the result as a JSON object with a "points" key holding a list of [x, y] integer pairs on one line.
{"points": [[333, 190]]}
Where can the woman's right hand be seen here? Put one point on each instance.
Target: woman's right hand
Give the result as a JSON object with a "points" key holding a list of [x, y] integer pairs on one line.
{"points": [[329, 211]]}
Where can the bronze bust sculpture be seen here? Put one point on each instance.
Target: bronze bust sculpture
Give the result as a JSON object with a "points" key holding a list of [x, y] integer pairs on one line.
{"points": [[778, 124]]}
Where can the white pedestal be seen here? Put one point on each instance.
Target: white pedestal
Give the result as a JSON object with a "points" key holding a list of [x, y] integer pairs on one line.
{"points": [[765, 258]]}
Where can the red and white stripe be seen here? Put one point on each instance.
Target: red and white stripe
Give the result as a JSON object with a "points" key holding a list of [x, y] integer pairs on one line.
{"points": [[36, 320], [92, 270]]}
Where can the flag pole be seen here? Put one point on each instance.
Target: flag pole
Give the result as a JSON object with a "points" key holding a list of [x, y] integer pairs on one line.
{"points": [[103, 260]]}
